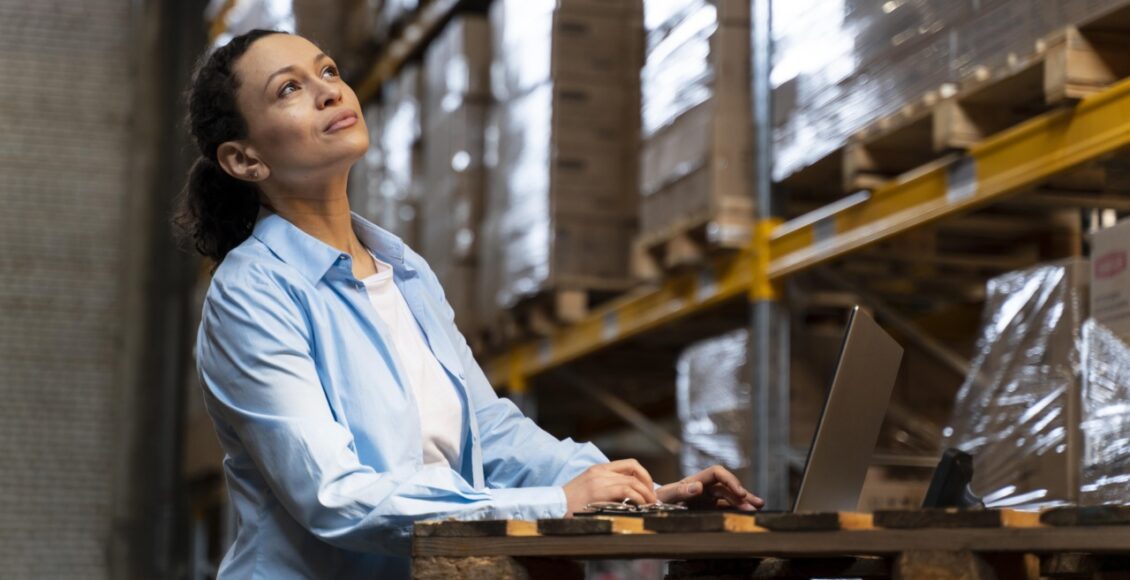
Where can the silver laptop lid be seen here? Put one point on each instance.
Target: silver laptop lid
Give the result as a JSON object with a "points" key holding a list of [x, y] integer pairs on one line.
{"points": [[853, 413]]}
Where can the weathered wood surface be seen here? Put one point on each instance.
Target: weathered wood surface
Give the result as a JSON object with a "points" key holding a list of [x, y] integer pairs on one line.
{"points": [[1109, 539]]}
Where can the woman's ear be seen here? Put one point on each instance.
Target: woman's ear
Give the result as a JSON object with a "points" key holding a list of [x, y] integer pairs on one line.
{"points": [[240, 162]]}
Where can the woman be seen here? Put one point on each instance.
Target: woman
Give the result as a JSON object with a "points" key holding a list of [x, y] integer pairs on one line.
{"points": [[347, 402]]}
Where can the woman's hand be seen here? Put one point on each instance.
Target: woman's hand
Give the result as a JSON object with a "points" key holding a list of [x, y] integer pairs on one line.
{"points": [[713, 487], [613, 481]]}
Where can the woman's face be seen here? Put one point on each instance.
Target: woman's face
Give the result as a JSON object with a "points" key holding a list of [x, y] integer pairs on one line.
{"points": [[303, 121]]}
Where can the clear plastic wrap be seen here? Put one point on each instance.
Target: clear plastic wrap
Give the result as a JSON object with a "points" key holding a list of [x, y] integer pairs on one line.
{"points": [[1105, 416], [372, 193], [1014, 412], [559, 207], [535, 41], [712, 393], [395, 11], [686, 44], [456, 86], [696, 155], [242, 16], [457, 66], [1106, 387], [841, 65]]}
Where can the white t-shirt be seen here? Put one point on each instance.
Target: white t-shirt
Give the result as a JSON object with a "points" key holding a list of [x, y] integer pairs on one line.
{"points": [[441, 409]]}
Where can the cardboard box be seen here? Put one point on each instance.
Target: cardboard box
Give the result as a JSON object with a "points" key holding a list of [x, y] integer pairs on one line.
{"points": [[457, 65], [454, 141], [593, 49], [1018, 412], [696, 157], [581, 254], [1110, 279], [662, 12], [696, 168], [451, 212]]}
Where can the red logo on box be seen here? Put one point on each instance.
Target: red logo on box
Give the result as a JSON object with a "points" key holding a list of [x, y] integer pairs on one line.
{"points": [[1111, 264]]}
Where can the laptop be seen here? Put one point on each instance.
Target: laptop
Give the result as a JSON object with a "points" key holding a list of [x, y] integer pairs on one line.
{"points": [[853, 413]]}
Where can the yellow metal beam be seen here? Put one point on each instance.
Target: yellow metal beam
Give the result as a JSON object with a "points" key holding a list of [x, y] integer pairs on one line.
{"points": [[219, 24], [687, 294], [1007, 163]]}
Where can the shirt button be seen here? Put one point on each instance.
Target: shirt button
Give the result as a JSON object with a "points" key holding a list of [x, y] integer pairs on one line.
{"points": [[341, 258]]}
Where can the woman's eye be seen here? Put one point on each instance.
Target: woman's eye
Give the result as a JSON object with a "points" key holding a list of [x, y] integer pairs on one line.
{"points": [[330, 70], [287, 88]]}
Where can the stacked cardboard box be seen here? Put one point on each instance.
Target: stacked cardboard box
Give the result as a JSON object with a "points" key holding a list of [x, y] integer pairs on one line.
{"points": [[696, 156], [1105, 410], [878, 58], [1017, 411], [385, 185], [456, 96], [561, 208]]}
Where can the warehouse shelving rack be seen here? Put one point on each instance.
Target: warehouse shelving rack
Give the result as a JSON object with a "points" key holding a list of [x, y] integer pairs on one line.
{"points": [[1001, 166]]}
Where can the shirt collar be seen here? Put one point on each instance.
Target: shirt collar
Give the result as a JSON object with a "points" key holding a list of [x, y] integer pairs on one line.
{"points": [[313, 257]]}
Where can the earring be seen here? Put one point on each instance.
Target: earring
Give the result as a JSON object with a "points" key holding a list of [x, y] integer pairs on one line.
{"points": [[254, 174]]}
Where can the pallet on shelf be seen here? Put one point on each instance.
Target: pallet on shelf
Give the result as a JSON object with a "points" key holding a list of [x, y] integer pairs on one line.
{"points": [[692, 240], [540, 315], [1060, 69]]}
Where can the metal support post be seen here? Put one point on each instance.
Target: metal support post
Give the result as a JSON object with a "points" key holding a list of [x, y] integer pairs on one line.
{"points": [[769, 344]]}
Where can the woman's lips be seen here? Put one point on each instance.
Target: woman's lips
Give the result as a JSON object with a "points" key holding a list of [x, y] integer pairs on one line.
{"points": [[342, 121]]}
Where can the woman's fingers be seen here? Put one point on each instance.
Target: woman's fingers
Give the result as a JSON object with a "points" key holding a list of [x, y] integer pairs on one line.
{"points": [[685, 490], [723, 475], [738, 495], [645, 491], [746, 501], [633, 468]]}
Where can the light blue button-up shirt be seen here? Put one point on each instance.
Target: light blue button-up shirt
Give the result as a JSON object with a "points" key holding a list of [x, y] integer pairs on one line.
{"points": [[321, 432]]}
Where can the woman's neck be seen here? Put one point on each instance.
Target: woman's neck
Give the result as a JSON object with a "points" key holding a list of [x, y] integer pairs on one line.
{"points": [[322, 212]]}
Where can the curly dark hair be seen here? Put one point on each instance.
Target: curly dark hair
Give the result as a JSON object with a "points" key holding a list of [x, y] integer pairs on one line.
{"points": [[216, 211]]}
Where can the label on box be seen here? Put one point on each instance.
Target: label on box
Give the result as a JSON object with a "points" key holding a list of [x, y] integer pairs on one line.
{"points": [[1110, 278]]}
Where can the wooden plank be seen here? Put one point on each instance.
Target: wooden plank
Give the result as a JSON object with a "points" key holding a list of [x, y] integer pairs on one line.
{"points": [[696, 523], [1082, 63], [591, 525], [476, 529], [955, 518], [725, 544], [1104, 515], [814, 522]]}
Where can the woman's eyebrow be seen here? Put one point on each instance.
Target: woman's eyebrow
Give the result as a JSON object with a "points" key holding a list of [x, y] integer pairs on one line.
{"points": [[289, 68]]}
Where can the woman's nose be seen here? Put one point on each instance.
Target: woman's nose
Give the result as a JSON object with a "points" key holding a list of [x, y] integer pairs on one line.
{"points": [[329, 95]]}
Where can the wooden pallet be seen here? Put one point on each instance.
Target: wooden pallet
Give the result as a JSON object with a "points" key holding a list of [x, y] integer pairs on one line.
{"points": [[780, 522], [1061, 69], [691, 242], [974, 544], [541, 315]]}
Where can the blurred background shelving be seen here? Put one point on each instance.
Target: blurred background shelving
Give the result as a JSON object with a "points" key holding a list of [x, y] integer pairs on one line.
{"points": [[650, 216]]}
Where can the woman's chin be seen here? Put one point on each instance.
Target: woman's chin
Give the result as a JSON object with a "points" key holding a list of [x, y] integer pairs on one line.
{"points": [[349, 149]]}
